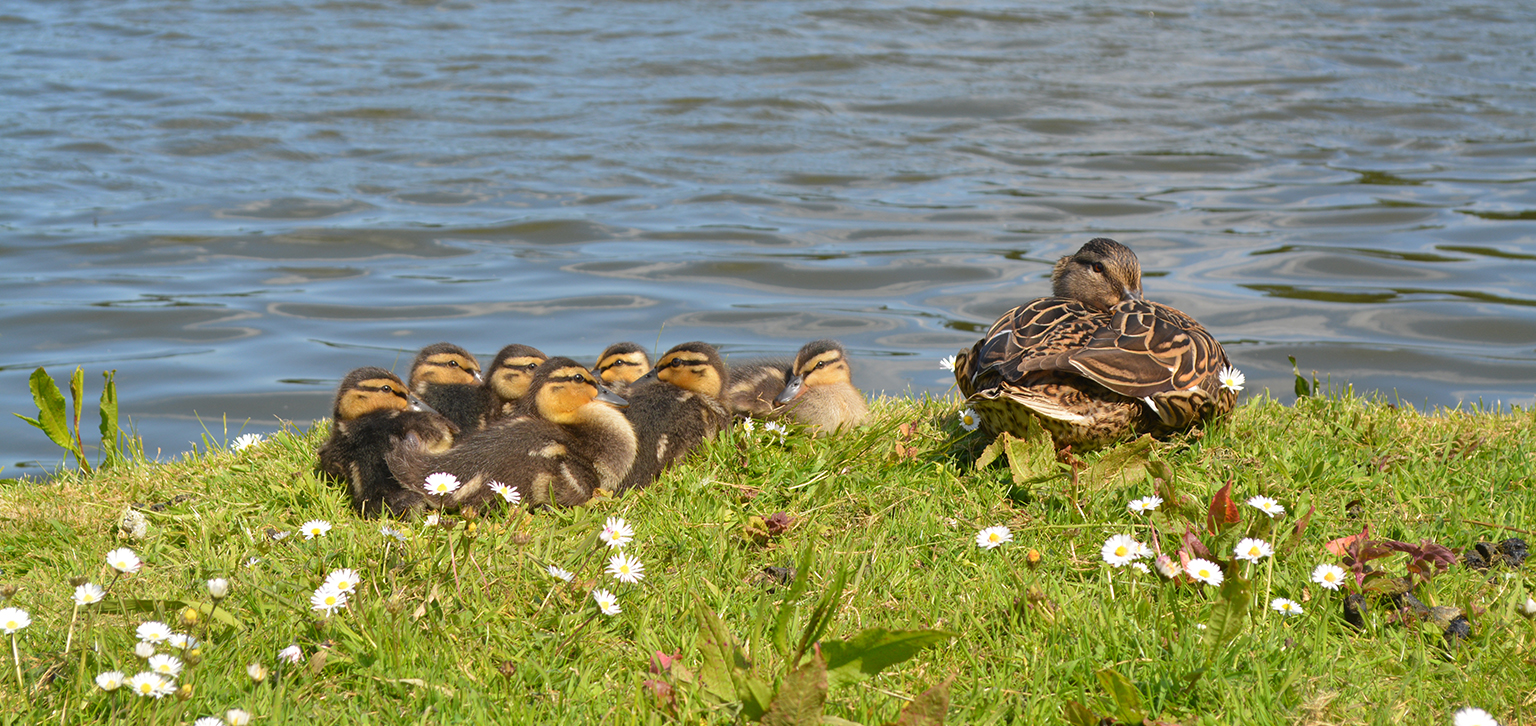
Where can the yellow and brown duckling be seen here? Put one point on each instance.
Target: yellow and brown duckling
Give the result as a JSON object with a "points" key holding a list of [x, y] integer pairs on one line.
{"points": [[674, 408], [820, 391], [510, 376], [622, 364], [447, 378], [565, 441], [372, 417], [1095, 362]]}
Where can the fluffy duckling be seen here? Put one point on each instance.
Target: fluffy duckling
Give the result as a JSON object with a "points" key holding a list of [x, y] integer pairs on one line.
{"points": [[754, 384], [674, 408], [1096, 362], [564, 441], [622, 364], [510, 376], [447, 378], [372, 417], [820, 391]]}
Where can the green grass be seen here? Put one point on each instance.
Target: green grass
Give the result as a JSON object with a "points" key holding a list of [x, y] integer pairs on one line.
{"points": [[487, 636]]}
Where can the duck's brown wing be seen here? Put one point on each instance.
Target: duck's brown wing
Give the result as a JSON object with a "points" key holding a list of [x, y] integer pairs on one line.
{"points": [[1039, 336], [1149, 349]]}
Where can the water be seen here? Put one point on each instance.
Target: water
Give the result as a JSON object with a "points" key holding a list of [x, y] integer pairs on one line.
{"points": [[234, 204]]}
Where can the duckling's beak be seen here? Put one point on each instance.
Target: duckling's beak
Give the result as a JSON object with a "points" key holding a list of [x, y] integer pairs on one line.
{"points": [[792, 390], [609, 397], [478, 378], [649, 376], [420, 405]]}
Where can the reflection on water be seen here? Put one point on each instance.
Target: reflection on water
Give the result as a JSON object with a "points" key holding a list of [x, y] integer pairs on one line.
{"points": [[234, 205]]}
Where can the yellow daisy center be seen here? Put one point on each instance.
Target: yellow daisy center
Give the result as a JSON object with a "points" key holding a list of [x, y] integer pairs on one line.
{"points": [[1122, 551]]}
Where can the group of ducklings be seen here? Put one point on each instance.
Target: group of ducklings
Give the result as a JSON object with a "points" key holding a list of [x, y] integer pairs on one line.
{"points": [[556, 431]]}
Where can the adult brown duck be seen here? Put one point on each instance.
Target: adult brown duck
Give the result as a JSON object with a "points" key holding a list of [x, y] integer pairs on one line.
{"points": [[1096, 362]]}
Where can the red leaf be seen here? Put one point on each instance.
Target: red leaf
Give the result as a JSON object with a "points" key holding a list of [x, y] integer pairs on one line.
{"points": [[1340, 546], [1194, 545], [1223, 511]]}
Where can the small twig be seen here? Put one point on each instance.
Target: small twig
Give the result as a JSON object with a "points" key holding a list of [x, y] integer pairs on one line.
{"points": [[1498, 526]]}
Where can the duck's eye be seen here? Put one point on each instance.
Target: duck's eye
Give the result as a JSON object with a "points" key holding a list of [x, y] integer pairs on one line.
{"points": [[820, 365], [454, 363], [1098, 267], [387, 388]]}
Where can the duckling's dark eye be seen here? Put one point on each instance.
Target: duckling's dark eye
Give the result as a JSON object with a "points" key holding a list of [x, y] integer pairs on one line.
{"points": [[454, 363], [820, 365], [387, 389]]}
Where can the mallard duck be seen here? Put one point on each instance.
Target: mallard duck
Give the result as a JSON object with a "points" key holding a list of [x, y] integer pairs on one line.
{"points": [[622, 364], [510, 375], [674, 408], [754, 384], [820, 391], [447, 378], [372, 417], [1095, 362], [565, 441]]}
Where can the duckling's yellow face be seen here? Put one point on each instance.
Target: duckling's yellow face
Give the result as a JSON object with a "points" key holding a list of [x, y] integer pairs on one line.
{"points": [[565, 392], [513, 376], [824, 369], [370, 396], [623, 367], [691, 371], [444, 368]]}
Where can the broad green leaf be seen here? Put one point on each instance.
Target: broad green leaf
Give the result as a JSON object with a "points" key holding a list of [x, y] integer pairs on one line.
{"points": [[50, 409], [719, 653], [222, 614], [1229, 614], [779, 635], [1123, 465], [755, 697], [874, 650], [1127, 699], [929, 708], [111, 454], [1077, 714], [821, 617], [801, 697], [77, 395], [1302, 389], [993, 450]]}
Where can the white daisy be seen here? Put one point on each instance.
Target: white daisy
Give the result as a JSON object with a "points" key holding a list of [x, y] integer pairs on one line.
{"points": [[1266, 505], [1141, 567], [509, 494], [345, 579], [237, 717], [993, 537], [968, 420], [257, 672], [153, 631], [166, 665], [291, 654], [1119, 550], [1253, 550], [218, 588], [1474, 717], [1231, 379], [625, 568], [1166, 567], [560, 573], [144, 650], [947, 363], [616, 532], [123, 560], [1285, 607], [110, 681], [1329, 576], [748, 425], [150, 685], [13, 620], [246, 441], [89, 594], [442, 483], [209, 721], [431, 520], [1144, 504], [606, 602], [1205, 571], [388, 531], [327, 599], [774, 427], [181, 641], [315, 528]]}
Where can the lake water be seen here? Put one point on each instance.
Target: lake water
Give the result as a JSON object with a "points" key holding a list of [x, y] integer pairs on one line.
{"points": [[234, 203]]}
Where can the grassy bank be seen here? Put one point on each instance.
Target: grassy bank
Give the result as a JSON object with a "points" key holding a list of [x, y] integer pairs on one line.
{"points": [[451, 625]]}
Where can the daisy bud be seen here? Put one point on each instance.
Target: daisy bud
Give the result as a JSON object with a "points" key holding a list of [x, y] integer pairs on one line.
{"points": [[1032, 558], [144, 650], [218, 588], [1530, 608], [237, 717], [78, 580], [257, 672], [193, 656], [7, 592], [185, 692], [189, 617]]}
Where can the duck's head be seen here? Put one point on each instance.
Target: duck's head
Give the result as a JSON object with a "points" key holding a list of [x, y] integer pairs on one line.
{"points": [[819, 363], [511, 373], [562, 387], [443, 363], [622, 363], [694, 366], [369, 390], [1101, 274]]}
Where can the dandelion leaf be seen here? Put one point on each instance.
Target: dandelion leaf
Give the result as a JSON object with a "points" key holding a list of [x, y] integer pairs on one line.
{"points": [[111, 453], [929, 708], [724, 663], [1229, 614], [874, 650], [1077, 714], [1127, 699], [1120, 466], [801, 697], [51, 418]]}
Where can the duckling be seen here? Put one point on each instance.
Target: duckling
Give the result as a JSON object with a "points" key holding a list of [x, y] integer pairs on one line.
{"points": [[1095, 362], [447, 378], [564, 441], [820, 393], [509, 377], [372, 417], [622, 364], [674, 408], [755, 383]]}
